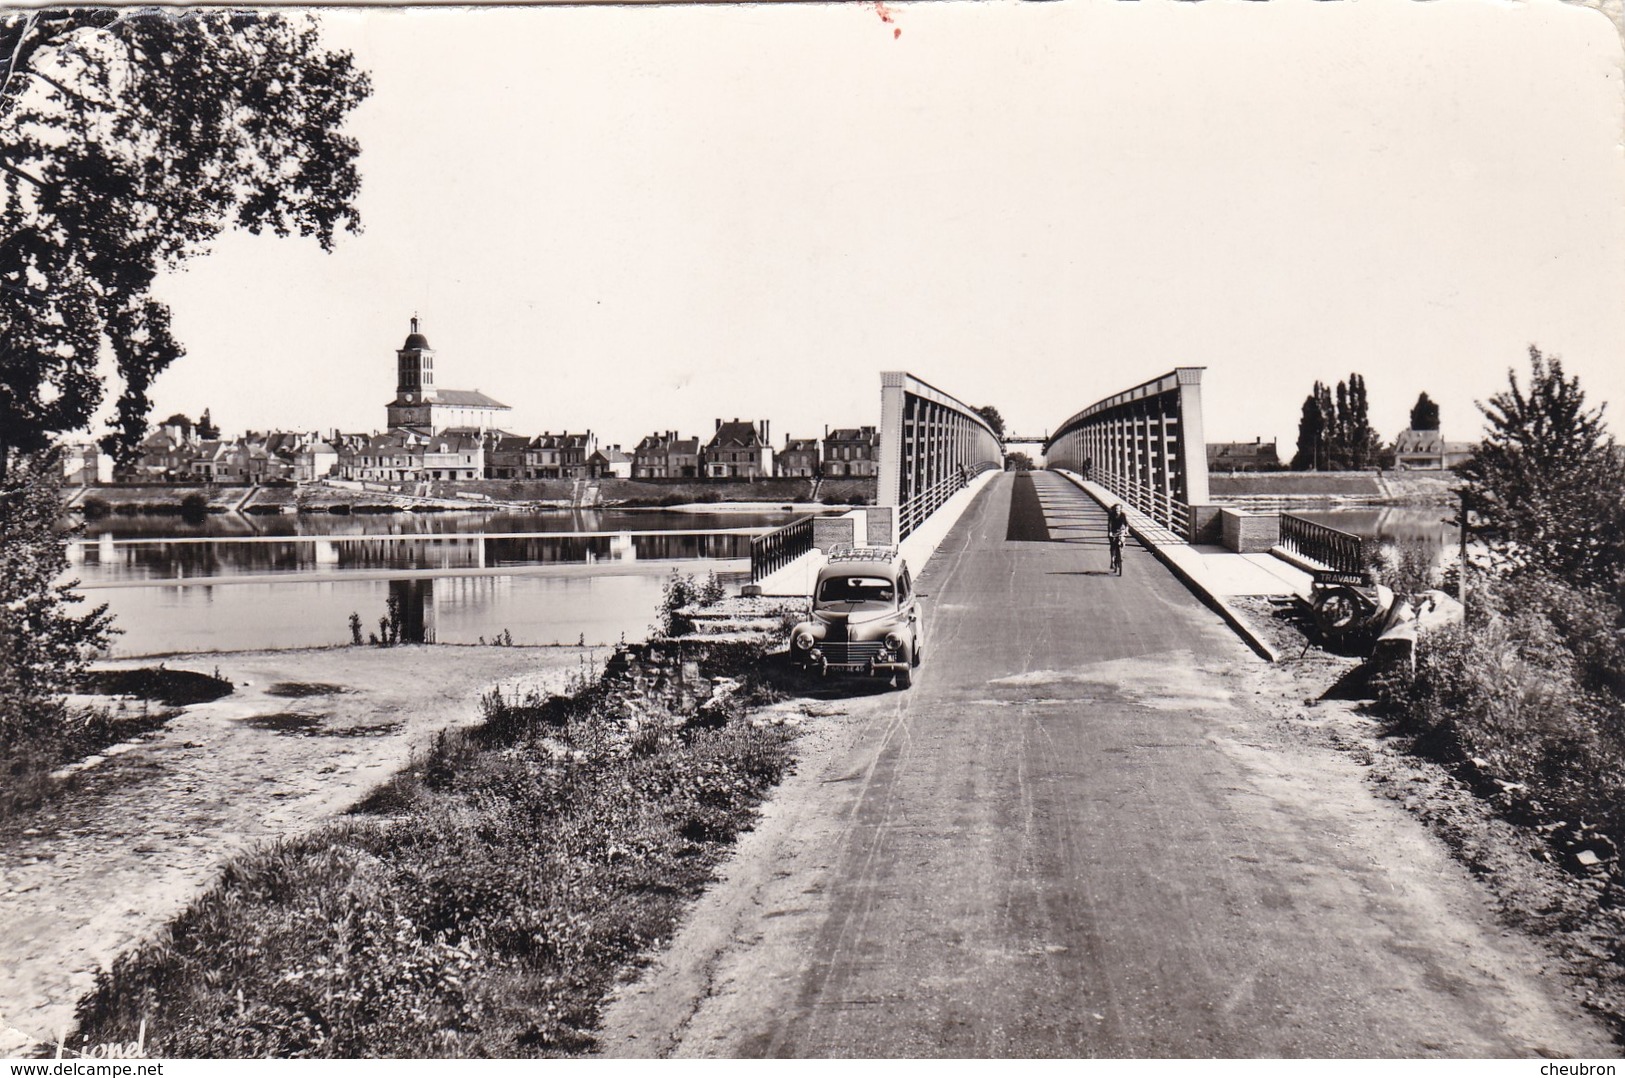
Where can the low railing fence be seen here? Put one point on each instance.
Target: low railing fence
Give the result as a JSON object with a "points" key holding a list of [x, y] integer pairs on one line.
{"points": [[912, 513], [1331, 547], [771, 552], [1154, 502]]}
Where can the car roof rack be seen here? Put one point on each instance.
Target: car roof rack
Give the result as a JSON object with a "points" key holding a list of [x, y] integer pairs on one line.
{"points": [[863, 553]]}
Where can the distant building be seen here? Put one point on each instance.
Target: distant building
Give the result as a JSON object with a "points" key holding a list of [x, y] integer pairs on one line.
{"points": [[666, 456], [799, 457], [505, 455], [738, 450], [424, 407], [454, 454], [164, 455], [851, 451], [609, 463], [84, 464], [313, 459], [559, 456], [393, 457], [1254, 456], [1426, 450]]}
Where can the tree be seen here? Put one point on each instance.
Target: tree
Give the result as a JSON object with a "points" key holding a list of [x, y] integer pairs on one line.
{"points": [[205, 428], [994, 419], [1360, 443], [132, 141], [1424, 414], [1311, 433], [43, 645], [1334, 430], [1547, 482]]}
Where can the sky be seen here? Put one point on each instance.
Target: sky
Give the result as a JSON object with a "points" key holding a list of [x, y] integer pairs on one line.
{"points": [[642, 218]]}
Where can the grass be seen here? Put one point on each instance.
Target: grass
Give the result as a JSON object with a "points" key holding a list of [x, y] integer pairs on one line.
{"points": [[480, 904]]}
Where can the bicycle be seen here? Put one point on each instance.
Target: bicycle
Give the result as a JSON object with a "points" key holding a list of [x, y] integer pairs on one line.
{"points": [[1116, 542]]}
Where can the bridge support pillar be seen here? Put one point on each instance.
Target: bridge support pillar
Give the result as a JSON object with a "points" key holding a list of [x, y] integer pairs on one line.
{"points": [[1192, 439]]}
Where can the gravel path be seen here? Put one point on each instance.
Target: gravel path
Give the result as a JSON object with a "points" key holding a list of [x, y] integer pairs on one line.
{"points": [[305, 735]]}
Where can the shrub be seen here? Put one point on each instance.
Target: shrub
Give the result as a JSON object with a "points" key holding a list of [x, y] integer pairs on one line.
{"points": [[194, 507], [95, 508], [676, 593], [711, 590], [1406, 566], [1528, 686]]}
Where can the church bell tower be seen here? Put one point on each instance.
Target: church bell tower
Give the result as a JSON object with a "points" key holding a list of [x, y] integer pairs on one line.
{"points": [[414, 381]]}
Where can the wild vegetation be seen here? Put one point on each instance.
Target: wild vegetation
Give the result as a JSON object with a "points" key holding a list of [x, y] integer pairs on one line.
{"points": [[45, 639], [482, 903], [1527, 696]]}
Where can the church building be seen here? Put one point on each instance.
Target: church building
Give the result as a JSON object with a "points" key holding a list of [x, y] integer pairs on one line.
{"points": [[422, 406]]}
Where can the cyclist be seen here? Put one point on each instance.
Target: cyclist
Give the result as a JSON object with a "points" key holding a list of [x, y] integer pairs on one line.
{"points": [[1116, 531]]}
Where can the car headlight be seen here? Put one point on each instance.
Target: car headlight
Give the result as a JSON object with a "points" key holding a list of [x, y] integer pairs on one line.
{"points": [[894, 641], [803, 640]]}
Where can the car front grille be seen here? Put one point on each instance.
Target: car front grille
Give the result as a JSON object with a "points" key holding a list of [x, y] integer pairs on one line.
{"points": [[842, 653]]}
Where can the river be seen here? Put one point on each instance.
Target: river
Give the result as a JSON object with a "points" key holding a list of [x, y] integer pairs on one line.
{"points": [[232, 582], [1387, 525]]}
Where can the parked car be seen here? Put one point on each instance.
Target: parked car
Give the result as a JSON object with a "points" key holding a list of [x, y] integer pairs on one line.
{"points": [[866, 618]]}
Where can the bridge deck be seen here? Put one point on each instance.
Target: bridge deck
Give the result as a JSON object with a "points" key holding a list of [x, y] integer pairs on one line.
{"points": [[1078, 835]]}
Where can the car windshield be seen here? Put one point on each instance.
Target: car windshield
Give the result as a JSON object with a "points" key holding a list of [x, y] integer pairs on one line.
{"points": [[856, 589]]}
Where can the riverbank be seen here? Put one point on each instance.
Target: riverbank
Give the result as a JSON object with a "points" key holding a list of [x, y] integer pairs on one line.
{"points": [[1305, 490], [138, 836], [487, 495], [486, 899]]}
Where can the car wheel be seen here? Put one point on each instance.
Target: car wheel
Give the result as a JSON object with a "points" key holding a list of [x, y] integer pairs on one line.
{"points": [[905, 678]]}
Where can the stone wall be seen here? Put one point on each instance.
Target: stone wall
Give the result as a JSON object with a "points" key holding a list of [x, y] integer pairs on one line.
{"points": [[879, 521], [1250, 533], [832, 532]]}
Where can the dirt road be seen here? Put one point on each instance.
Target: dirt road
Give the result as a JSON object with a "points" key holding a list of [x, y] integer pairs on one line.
{"points": [[1080, 834], [305, 735]]}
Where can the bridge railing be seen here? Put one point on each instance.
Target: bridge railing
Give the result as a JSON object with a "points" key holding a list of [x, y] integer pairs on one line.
{"points": [[1145, 445], [930, 446], [912, 513], [771, 552], [1154, 502], [1331, 547]]}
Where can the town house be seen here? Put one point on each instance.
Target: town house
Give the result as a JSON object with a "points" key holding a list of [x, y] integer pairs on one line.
{"points": [[738, 450]]}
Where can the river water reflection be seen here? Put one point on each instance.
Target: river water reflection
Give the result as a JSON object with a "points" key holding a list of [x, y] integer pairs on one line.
{"points": [[1394, 524], [232, 582]]}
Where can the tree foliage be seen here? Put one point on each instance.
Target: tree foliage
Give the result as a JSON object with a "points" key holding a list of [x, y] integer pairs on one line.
{"points": [[132, 141], [43, 645], [994, 419], [1312, 423], [1334, 431], [1424, 414], [1547, 482]]}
